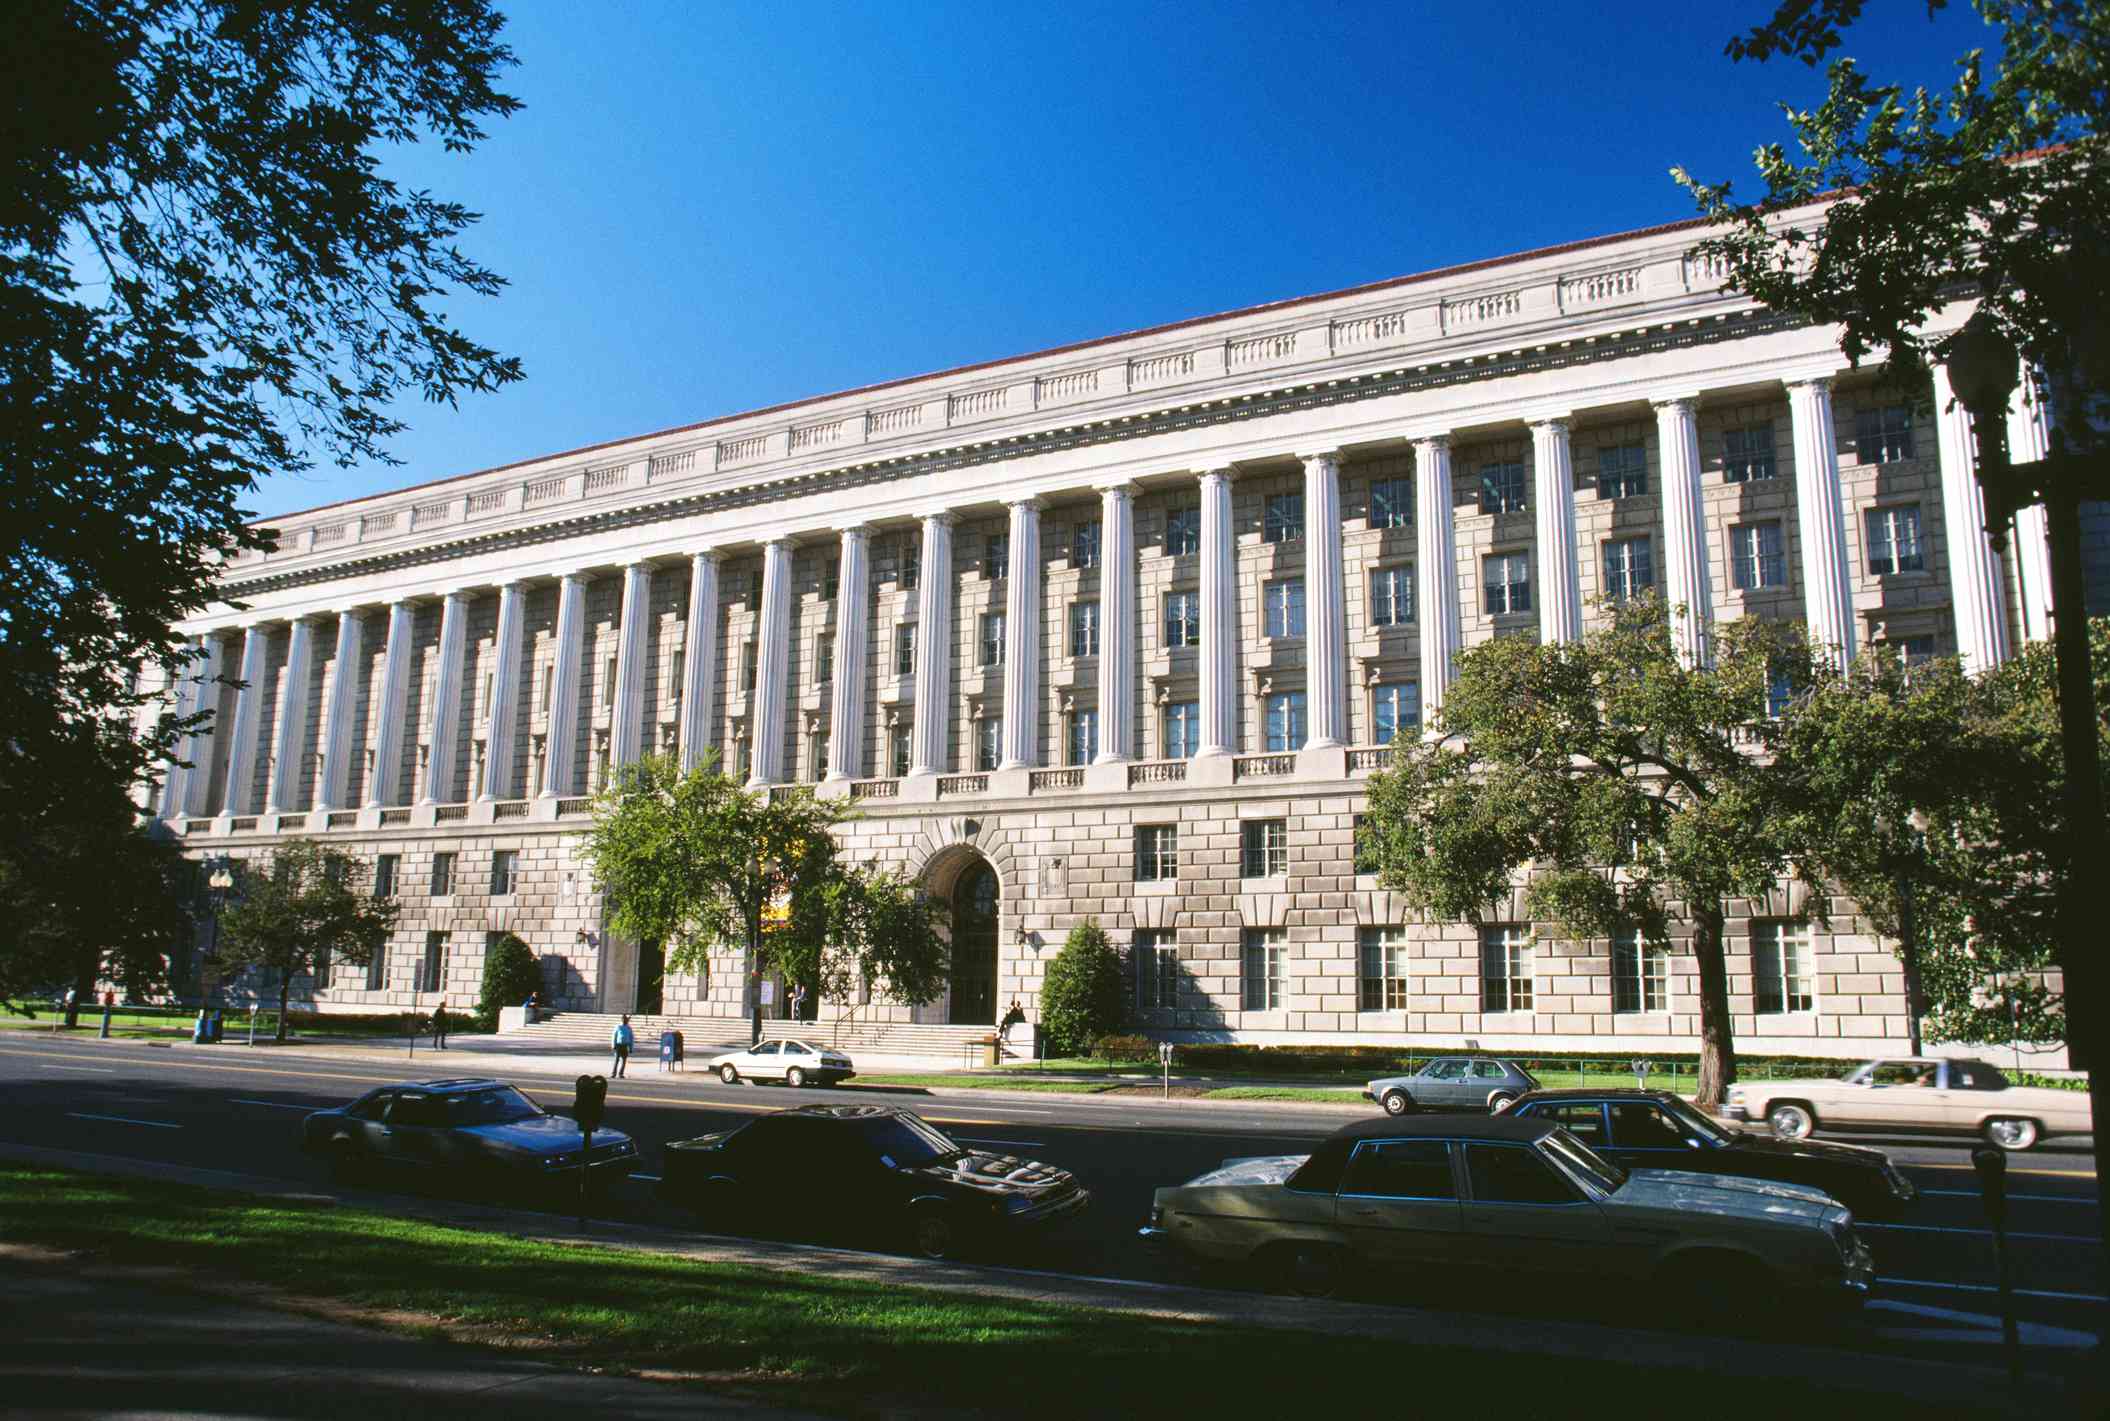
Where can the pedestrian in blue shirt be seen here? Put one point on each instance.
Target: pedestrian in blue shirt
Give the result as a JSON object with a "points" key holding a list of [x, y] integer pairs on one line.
{"points": [[623, 1039]]}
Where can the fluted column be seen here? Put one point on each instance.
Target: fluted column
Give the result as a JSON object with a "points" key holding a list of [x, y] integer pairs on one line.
{"points": [[934, 649], [2029, 439], [627, 725], [180, 789], [1977, 582], [447, 699], [1820, 519], [387, 776], [290, 733], [1560, 584], [1022, 613], [560, 741], [1686, 589], [1117, 623], [1436, 559], [505, 694], [853, 627], [699, 666], [337, 749], [1219, 606], [772, 665], [248, 699], [1326, 609]]}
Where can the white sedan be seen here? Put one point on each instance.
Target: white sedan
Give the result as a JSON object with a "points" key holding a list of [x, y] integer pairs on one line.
{"points": [[795, 1063]]}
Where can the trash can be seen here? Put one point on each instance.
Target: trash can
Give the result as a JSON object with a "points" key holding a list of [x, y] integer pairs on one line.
{"points": [[992, 1050]]}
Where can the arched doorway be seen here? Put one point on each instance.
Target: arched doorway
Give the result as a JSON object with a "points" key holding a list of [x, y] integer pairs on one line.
{"points": [[974, 915]]}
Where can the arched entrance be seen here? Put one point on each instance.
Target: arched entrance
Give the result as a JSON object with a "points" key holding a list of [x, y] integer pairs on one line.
{"points": [[974, 919]]}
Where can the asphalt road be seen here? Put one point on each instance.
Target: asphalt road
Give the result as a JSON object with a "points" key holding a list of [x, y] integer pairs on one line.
{"points": [[239, 1110]]}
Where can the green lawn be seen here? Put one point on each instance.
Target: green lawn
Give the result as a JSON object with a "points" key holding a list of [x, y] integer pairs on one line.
{"points": [[151, 1024], [807, 1340]]}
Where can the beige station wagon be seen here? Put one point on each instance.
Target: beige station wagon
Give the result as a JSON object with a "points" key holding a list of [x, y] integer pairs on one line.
{"points": [[1914, 1093]]}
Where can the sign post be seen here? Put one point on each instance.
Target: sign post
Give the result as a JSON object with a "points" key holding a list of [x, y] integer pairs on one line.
{"points": [[1165, 1062]]}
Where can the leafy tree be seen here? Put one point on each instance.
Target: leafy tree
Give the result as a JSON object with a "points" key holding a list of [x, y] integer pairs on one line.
{"points": [[1571, 759], [694, 860], [205, 277], [301, 910], [1081, 996], [511, 976]]}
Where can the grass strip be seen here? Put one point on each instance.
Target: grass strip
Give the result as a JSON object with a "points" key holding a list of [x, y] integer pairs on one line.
{"points": [[1305, 1093], [1055, 1087], [860, 1347]]}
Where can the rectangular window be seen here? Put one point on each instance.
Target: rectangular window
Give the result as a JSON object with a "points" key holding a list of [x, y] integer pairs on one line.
{"points": [[1263, 968], [675, 668], [1285, 721], [1384, 969], [992, 639], [1913, 651], [1157, 853], [1628, 568], [1757, 556], [1391, 503], [1747, 454], [1183, 729], [1283, 521], [503, 864], [1622, 471], [608, 681], [905, 649], [1084, 629], [490, 696], [1157, 963], [377, 969], [385, 875], [1506, 582], [1502, 488], [1780, 694], [1391, 597], [1364, 852], [1395, 706], [1640, 975], [1084, 545], [897, 751], [1183, 619], [442, 875], [824, 659], [549, 686], [1284, 608], [1183, 532], [996, 557], [1084, 735], [1264, 848], [988, 743], [1780, 968], [1883, 436], [817, 759], [911, 562], [743, 756], [831, 581], [434, 976], [1894, 540], [1505, 968]]}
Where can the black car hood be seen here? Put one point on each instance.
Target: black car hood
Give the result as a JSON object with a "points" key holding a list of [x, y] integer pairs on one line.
{"points": [[1001, 1174], [542, 1133], [1860, 1156]]}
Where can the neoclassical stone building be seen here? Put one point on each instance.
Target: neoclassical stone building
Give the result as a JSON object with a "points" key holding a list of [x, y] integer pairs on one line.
{"points": [[1117, 631]]}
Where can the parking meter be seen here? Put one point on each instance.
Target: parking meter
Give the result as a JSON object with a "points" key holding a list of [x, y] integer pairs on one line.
{"points": [[1991, 1165], [1641, 1070], [589, 1099], [1165, 1063]]}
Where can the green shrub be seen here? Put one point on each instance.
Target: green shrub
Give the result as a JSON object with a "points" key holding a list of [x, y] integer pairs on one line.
{"points": [[510, 975], [1082, 997], [1115, 1047]]}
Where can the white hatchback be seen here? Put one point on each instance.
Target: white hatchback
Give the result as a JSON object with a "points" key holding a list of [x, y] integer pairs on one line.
{"points": [[795, 1063]]}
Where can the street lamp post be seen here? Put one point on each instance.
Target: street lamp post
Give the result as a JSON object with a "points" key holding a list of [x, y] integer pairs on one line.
{"points": [[1983, 370]]}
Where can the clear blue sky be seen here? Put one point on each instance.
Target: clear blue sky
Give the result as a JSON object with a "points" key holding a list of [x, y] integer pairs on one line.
{"points": [[713, 207]]}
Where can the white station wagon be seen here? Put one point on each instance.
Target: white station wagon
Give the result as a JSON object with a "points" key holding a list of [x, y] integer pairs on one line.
{"points": [[1914, 1093]]}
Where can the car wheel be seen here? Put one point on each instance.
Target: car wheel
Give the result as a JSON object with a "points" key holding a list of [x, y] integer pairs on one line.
{"points": [[1500, 1101], [1791, 1121], [346, 1160], [1305, 1270], [795, 1078], [2011, 1134], [1398, 1102], [729, 1074], [932, 1233]]}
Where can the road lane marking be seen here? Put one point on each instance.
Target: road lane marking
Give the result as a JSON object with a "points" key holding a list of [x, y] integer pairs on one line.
{"points": [[648, 1178], [1990, 1288], [274, 1104], [2012, 1171], [97, 1070], [2031, 1198], [124, 1120], [1982, 1233], [1022, 1144]]}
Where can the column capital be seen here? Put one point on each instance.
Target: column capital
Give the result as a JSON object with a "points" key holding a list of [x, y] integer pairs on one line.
{"points": [[1814, 376], [857, 529], [1223, 475], [1686, 402], [1121, 487], [1327, 456], [1558, 424], [945, 517], [1031, 503], [1436, 439]]}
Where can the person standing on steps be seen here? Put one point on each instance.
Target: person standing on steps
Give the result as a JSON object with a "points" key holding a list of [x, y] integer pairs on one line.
{"points": [[439, 1025], [622, 1040]]}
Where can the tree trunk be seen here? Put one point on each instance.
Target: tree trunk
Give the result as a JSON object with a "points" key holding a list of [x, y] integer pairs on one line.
{"points": [[1717, 1046], [285, 990]]}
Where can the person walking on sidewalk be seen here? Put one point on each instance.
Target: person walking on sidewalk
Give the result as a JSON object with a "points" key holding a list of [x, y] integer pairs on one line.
{"points": [[622, 1040], [439, 1025]]}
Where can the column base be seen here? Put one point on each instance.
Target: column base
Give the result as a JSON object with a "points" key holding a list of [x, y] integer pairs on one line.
{"points": [[834, 787], [920, 787], [1322, 762], [1013, 783], [1211, 767], [1110, 775]]}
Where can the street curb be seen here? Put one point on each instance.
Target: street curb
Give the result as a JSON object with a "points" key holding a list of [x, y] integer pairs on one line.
{"points": [[1934, 1381]]}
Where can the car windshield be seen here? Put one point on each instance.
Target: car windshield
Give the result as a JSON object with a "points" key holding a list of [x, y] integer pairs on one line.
{"points": [[1583, 1161], [1695, 1120], [498, 1105], [908, 1140]]}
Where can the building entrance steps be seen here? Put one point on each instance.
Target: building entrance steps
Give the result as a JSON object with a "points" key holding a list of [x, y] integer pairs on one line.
{"points": [[952, 1044]]}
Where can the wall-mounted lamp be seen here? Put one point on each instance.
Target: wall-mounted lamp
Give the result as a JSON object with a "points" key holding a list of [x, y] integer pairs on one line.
{"points": [[586, 939]]}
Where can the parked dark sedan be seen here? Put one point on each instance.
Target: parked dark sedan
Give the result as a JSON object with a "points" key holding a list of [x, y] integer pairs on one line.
{"points": [[1655, 1129], [869, 1169], [477, 1130]]}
